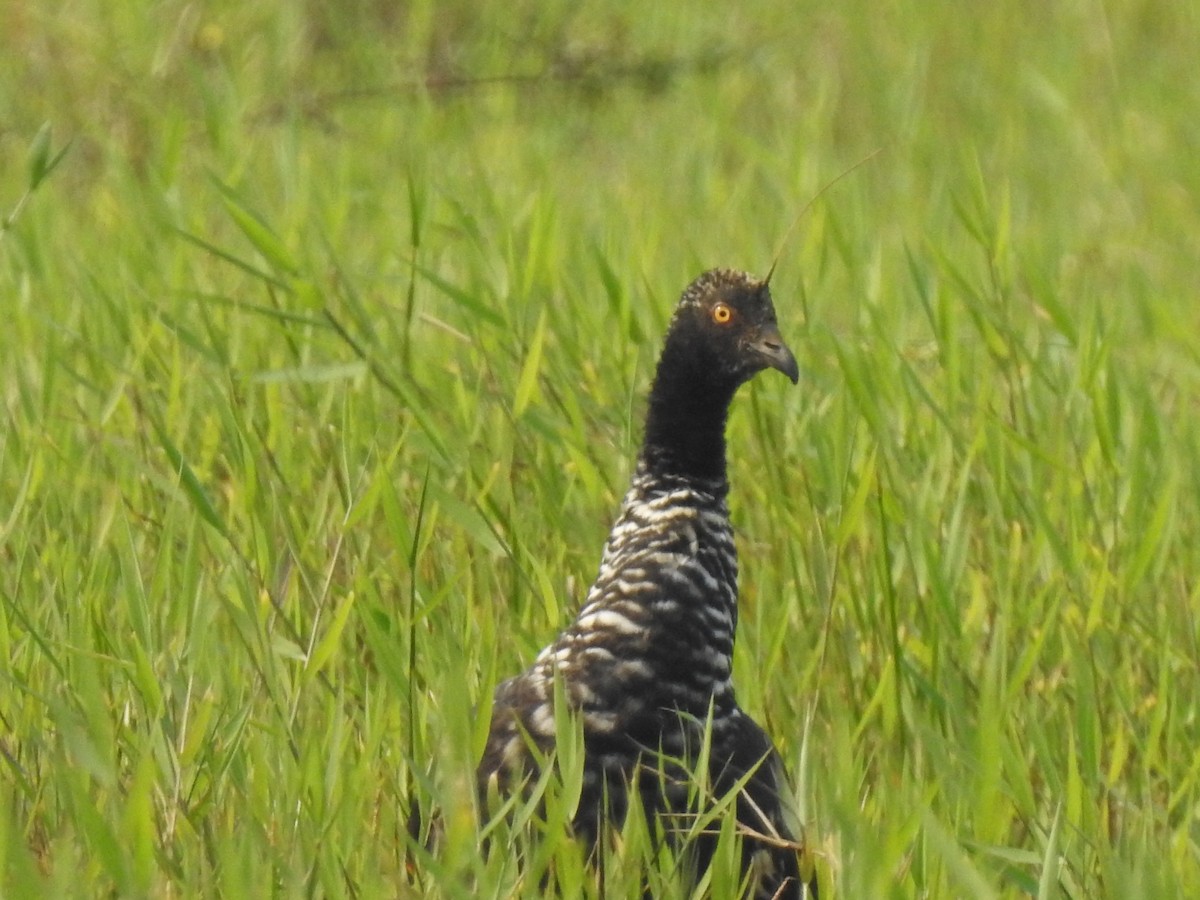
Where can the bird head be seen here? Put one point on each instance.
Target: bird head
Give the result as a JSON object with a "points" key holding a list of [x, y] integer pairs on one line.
{"points": [[726, 323], [723, 333]]}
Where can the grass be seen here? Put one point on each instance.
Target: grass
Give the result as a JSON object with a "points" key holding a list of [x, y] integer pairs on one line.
{"points": [[326, 341]]}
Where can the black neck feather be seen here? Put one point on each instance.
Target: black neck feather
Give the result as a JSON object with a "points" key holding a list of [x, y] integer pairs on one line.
{"points": [[685, 423]]}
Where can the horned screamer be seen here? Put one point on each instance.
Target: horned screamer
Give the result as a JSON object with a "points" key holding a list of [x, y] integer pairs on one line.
{"points": [[646, 665]]}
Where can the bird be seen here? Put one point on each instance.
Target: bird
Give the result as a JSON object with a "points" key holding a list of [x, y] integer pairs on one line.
{"points": [[646, 664]]}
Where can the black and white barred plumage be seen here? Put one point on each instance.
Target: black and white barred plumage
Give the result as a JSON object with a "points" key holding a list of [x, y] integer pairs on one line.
{"points": [[647, 662]]}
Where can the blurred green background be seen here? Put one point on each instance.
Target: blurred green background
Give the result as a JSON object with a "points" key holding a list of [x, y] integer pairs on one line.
{"points": [[328, 328]]}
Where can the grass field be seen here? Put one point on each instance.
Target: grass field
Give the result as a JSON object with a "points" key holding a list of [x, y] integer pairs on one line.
{"points": [[324, 351]]}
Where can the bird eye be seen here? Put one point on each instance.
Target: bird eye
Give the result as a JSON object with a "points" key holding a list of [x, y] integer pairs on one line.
{"points": [[722, 314]]}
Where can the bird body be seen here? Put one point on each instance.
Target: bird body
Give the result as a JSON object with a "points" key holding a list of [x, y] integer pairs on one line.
{"points": [[647, 662]]}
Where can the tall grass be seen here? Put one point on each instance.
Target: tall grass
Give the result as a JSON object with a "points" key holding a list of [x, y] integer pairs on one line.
{"points": [[326, 341]]}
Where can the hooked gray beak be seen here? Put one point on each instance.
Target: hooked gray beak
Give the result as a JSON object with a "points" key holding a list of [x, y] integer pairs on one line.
{"points": [[773, 353]]}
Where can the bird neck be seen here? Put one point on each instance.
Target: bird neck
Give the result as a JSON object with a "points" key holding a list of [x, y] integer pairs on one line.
{"points": [[685, 426]]}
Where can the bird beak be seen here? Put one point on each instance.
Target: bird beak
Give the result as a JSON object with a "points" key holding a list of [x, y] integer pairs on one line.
{"points": [[773, 353]]}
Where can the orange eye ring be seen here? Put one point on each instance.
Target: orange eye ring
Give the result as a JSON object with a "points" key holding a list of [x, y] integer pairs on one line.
{"points": [[722, 314]]}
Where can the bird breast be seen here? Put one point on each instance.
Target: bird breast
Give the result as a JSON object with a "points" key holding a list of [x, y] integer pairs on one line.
{"points": [[656, 630]]}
